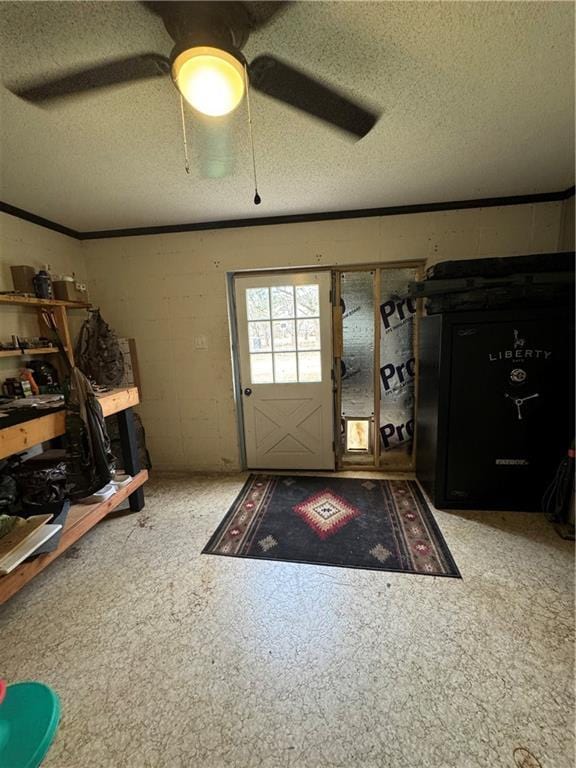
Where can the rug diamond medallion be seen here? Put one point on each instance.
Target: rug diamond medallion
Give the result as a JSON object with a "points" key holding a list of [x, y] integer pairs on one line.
{"points": [[326, 513], [383, 525]]}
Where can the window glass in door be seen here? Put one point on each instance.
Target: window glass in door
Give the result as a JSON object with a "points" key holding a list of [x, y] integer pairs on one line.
{"points": [[284, 334]]}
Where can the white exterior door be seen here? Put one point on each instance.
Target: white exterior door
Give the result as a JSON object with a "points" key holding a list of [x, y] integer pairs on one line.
{"points": [[285, 358]]}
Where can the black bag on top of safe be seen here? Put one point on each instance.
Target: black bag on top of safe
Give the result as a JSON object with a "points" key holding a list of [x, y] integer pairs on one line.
{"points": [[538, 280], [502, 266]]}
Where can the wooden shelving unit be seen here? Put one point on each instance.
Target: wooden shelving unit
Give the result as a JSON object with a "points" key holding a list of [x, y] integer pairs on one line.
{"points": [[10, 298], [59, 311], [31, 351], [81, 518], [47, 426]]}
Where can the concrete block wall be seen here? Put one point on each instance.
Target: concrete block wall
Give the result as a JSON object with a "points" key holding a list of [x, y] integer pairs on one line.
{"points": [[169, 293]]}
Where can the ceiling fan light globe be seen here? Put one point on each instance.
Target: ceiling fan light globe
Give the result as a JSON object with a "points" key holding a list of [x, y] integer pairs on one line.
{"points": [[210, 79]]}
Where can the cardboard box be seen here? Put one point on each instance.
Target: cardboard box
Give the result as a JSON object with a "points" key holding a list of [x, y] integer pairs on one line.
{"points": [[23, 278]]}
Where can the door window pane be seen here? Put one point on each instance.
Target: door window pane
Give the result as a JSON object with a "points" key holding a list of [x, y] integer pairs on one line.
{"points": [[307, 301], [258, 303], [259, 336], [309, 366], [284, 335], [308, 334], [284, 349], [261, 371], [285, 370], [282, 301]]}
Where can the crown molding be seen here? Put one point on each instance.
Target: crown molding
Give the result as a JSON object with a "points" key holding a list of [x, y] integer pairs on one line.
{"points": [[361, 213], [20, 213]]}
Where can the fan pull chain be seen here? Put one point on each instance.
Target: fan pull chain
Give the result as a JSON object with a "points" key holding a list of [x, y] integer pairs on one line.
{"points": [[186, 161], [257, 198]]}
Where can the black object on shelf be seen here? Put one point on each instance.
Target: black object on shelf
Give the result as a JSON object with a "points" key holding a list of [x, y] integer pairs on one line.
{"points": [[43, 285], [45, 374], [496, 406]]}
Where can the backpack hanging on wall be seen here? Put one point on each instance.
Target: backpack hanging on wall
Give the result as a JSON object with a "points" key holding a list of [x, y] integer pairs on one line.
{"points": [[98, 353]]}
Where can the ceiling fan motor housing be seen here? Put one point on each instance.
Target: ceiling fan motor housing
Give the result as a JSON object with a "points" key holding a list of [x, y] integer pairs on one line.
{"points": [[216, 25]]}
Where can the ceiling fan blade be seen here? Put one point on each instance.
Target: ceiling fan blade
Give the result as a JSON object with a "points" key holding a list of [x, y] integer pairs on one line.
{"points": [[285, 83], [126, 70]]}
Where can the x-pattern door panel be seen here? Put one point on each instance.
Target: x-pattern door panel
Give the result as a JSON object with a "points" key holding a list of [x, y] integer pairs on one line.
{"points": [[285, 350]]}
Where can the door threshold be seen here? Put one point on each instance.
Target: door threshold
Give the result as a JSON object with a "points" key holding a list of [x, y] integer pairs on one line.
{"points": [[349, 472], [398, 470]]}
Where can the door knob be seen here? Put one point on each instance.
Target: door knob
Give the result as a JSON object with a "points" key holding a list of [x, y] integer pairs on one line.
{"points": [[248, 391]]}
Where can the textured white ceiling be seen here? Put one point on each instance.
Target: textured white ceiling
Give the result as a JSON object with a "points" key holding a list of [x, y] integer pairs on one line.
{"points": [[477, 101]]}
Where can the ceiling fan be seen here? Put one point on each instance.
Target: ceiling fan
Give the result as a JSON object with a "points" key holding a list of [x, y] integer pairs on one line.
{"points": [[209, 70]]}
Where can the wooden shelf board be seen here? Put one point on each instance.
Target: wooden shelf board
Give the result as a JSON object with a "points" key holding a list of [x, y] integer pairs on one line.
{"points": [[20, 437], [42, 351], [119, 400], [81, 518], [33, 301], [21, 353]]}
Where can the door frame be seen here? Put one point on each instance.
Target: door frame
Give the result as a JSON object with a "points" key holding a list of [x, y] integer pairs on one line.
{"points": [[235, 352], [235, 346], [334, 270], [418, 265]]}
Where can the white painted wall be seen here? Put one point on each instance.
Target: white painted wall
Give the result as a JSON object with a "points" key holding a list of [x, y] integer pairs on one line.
{"points": [[24, 243], [165, 290]]}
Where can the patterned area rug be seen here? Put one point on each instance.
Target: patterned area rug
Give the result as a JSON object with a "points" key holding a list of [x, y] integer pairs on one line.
{"points": [[384, 525]]}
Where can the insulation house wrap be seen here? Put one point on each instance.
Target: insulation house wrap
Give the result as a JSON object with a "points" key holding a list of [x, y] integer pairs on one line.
{"points": [[397, 360], [369, 297], [357, 374]]}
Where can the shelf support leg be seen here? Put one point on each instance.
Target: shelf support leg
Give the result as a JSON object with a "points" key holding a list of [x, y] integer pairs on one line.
{"points": [[61, 318], [131, 459]]}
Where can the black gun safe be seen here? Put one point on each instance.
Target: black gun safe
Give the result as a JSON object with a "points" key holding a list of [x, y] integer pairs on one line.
{"points": [[495, 406]]}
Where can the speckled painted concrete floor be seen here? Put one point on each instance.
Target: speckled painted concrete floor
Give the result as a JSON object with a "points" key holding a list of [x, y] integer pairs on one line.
{"points": [[165, 658]]}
